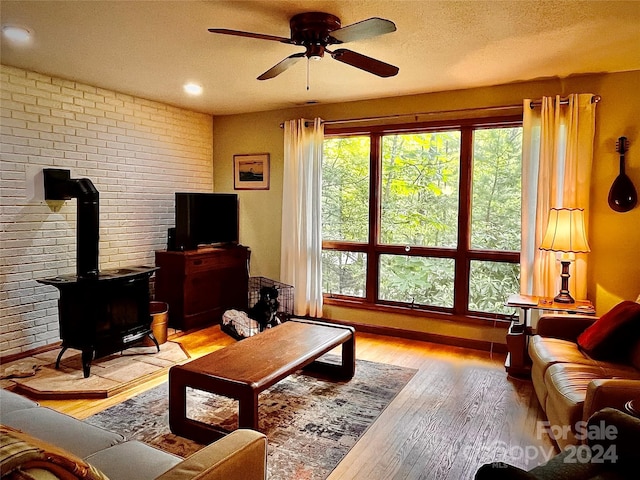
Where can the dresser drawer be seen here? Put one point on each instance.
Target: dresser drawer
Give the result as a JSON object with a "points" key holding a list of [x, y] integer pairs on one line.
{"points": [[231, 259]]}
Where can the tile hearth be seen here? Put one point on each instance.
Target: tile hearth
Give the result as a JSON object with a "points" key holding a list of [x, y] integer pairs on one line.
{"points": [[109, 375]]}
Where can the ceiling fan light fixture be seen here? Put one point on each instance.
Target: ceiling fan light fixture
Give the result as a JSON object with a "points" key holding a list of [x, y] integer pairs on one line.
{"points": [[193, 89], [315, 52], [16, 34]]}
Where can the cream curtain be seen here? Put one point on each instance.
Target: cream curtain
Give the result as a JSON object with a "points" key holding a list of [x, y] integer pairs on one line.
{"points": [[301, 250], [556, 172]]}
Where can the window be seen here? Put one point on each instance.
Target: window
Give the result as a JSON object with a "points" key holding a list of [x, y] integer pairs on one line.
{"points": [[426, 216]]}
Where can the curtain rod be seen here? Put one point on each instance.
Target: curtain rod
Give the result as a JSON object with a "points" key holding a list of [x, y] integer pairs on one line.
{"points": [[418, 114], [536, 103], [563, 101]]}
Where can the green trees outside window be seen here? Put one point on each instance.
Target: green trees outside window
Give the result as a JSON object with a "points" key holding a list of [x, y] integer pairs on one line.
{"points": [[426, 217]]}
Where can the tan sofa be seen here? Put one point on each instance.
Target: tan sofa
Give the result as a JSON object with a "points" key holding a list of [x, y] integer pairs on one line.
{"points": [[69, 444], [571, 385]]}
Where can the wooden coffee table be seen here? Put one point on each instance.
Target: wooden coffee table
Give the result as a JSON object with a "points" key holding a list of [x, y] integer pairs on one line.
{"points": [[244, 369]]}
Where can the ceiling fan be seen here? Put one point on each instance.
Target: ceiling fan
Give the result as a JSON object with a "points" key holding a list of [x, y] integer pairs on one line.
{"points": [[316, 31]]}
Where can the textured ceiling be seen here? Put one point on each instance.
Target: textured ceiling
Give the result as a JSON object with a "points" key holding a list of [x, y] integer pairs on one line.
{"points": [[151, 48]]}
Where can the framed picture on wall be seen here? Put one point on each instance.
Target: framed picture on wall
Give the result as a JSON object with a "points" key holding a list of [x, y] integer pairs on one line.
{"points": [[251, 172]]}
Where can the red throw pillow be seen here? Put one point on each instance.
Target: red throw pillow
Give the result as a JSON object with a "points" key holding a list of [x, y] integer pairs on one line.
{"points": [[612, 335]]}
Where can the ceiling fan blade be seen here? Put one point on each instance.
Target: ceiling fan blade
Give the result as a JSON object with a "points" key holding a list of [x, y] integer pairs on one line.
{"points": [[281, 67], [363, 62], [372, 27], [260, 36]]}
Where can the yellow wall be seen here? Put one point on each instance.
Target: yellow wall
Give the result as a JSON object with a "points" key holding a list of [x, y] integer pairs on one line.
{"points": [[614, 272]]}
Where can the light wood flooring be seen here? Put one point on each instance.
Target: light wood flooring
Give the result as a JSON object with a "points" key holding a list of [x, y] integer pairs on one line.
{"points": [[459, 411]]}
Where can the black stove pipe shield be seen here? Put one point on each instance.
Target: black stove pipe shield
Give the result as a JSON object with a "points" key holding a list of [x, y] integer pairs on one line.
{"points": [[87, 229], [59, 185]]}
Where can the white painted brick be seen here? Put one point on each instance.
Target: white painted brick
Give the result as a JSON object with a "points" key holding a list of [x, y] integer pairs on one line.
{"points": [[14, 87], [92, 97], [63, 83], [75, 123], [25, 99], [72, 108], [16, 121], [26, 133], [62, 114], [27, 82], [40, 110], [28, 115], [39, 126], [38, 94], [72, 92], [83, 102], [86, 88], [37, 76], [42, 142], [81, 117], [50, 103], [11, 104], [137, 152]]}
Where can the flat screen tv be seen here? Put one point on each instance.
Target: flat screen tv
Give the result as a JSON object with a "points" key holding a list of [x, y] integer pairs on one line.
{"points": [[206, 219]]}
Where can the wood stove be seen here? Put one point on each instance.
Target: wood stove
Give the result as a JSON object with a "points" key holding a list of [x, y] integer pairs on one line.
{"points": [[103, 314], [99, 312]]}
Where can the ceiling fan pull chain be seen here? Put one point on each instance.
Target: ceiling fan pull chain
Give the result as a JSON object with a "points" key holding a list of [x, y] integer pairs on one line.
{"points": [[308, 62]]}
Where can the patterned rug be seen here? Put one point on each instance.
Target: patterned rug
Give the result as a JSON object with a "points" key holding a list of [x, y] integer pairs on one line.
{"points": [[311, 422]]}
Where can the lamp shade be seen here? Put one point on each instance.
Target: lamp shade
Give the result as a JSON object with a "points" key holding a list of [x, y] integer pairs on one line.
{"points": [[565, 232]]}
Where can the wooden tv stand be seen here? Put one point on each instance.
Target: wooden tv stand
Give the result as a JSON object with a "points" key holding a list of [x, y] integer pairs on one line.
{"points": [[200, 285]]}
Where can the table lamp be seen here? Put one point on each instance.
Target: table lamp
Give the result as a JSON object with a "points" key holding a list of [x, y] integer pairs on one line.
{"points": [[565, 233]]}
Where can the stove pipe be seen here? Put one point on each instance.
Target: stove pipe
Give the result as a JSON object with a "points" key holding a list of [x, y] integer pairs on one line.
{"points": [[58, 185]]}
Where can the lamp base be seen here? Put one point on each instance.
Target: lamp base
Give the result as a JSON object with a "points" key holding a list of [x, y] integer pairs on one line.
{"points": [[564, 297]]}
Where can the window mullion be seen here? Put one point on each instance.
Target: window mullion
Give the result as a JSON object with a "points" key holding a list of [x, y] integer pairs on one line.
{"points": [[461, 290], [373, 265]]}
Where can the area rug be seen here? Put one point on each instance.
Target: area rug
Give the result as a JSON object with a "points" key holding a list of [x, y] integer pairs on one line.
{"points": [[311, 422]]}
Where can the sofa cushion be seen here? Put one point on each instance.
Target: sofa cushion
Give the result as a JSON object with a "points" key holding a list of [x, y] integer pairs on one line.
{"points": [[12, 401], [133, 460], [566, 392], [62, 430], [613, 335], [21, 453]]}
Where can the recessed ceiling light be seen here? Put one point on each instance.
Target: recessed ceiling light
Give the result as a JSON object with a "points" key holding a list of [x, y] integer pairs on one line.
{"points": [[17, 35], [193, 88]]}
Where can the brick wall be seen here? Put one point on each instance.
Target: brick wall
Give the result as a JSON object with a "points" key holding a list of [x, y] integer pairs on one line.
{"points": [[136, 152]]}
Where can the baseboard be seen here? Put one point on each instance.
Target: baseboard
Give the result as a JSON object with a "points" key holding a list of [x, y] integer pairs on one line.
{"points": [[360, 327], [482, 345]]}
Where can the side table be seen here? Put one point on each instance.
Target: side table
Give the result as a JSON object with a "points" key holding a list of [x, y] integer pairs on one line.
{"points": [[518, 362]]}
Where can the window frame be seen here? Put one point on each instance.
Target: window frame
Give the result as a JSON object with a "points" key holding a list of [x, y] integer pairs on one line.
{"points": [[462, 254]]}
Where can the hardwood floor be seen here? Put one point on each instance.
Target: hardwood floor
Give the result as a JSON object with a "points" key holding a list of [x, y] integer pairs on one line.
{"points": [[459, 411]]}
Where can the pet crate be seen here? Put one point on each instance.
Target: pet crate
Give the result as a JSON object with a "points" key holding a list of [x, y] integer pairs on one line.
{"points": [[285, 295]]}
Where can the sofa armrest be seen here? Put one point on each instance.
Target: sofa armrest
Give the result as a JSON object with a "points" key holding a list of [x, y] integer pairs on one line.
{"points": [[613, 428], [241, 454], [610, 392], [565, 327]]}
